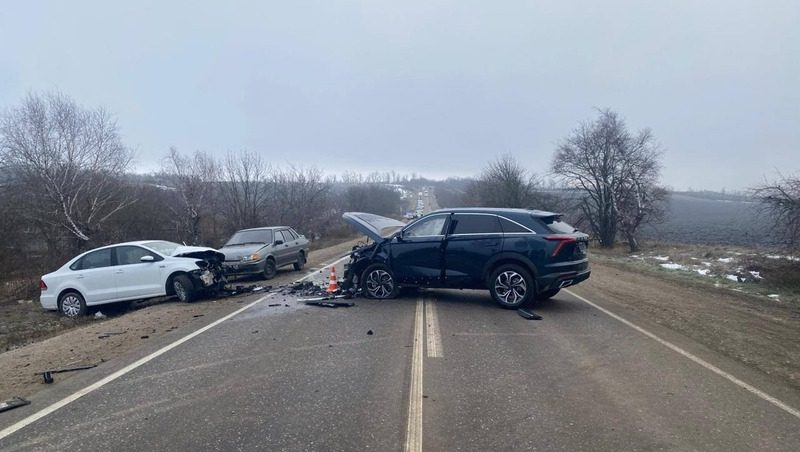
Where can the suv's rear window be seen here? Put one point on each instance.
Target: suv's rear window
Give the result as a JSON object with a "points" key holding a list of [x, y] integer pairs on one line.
{"points": [[556, 226]]}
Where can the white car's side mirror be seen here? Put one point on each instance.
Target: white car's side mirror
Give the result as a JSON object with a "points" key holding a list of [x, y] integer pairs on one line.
{"points": [[147, 258]]}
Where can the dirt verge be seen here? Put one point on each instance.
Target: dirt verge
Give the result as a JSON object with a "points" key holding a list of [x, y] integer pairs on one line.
{"points": [[55, 342], [757, 331]]}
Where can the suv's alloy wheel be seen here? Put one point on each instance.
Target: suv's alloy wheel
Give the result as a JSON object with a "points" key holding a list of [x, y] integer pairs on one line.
{"points": [[511, 286], [378, 282]]}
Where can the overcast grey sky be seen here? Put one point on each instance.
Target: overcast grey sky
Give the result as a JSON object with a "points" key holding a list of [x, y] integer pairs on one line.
{"points": [[436, 88]]}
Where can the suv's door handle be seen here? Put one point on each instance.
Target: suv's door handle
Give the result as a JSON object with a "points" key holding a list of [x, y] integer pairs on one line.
{"points": [[79, 277], [119, 272]]}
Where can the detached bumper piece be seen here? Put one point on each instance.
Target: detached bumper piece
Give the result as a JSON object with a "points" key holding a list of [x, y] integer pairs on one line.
{"points": [[10, 404]]}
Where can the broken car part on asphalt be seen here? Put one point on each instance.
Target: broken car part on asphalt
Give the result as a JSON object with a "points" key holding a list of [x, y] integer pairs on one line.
{"points": [[47, 375], [528, 314], [10, 404]]}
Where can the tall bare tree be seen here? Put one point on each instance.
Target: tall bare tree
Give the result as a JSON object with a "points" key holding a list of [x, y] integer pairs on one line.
{"points": [[192, 178], [618, 173], [300, 197], [70, 161], [781, 201], [244, 189], [506, 183]]}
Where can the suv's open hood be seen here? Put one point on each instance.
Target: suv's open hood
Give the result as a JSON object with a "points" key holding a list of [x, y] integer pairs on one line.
{"points": [[373, 226]]}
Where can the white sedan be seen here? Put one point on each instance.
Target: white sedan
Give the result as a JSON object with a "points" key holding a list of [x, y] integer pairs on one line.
{"points": [[131, 271]]}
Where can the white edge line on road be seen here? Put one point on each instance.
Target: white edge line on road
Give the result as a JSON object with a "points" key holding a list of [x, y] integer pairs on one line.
{"points": [[763, 395], [108, 379], [414, 427]]}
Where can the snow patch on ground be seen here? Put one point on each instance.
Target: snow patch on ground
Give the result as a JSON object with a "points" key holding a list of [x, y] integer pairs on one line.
{"points": [[702, 271], [756, 275], [732, 277], [707, 264], [661, 258], [673, 266], [773, 295], [725, 260]]}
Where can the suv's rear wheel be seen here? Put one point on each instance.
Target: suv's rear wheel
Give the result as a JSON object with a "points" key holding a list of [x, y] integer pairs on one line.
{"points": [[378, 282], [511, 286]]}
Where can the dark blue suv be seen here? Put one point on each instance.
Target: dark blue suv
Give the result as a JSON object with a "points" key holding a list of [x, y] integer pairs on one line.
{"points": [[518, 255]]}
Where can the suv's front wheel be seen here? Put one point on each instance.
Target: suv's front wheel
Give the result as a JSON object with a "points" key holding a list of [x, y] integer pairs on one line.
{"points": [[511, 286], [378, 282]]}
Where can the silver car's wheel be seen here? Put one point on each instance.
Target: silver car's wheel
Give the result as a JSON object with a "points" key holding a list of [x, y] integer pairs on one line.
{"points": [[72, 305], [511, 286], [378, 282]]}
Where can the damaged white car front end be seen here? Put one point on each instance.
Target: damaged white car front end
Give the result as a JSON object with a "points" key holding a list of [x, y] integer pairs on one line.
{"points": [[132, 271]]}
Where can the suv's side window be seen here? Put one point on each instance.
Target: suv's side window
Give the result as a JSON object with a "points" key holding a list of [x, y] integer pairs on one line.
{"points": [[96, 259], [476, 224], [431, 226], [512, 228]]}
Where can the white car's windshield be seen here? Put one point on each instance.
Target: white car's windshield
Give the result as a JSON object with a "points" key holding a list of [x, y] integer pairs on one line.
{"points": [[163, 247]]}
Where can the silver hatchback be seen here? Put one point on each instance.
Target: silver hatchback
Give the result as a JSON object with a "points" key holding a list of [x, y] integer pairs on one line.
{"points": [[262, 251]]}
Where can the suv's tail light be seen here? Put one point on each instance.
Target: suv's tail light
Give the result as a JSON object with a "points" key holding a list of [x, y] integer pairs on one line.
{"points": [[562, 240], [42, 285]]}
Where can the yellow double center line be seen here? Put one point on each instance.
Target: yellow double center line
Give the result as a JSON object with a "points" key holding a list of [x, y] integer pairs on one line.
{"points": [[425, 309]]}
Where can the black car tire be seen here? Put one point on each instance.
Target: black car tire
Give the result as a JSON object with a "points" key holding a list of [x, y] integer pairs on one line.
{"points": [[71, 304], [547, 294], [377, 281], [270, 269], [183, 288], [511, 286], [301, 261]]}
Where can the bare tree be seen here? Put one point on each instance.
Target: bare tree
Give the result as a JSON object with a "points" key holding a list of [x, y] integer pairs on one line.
{"points": [[506, 183], [618, 173], [69, 160], [192, 179], [781, 201], [244, 189], [299, 197]]}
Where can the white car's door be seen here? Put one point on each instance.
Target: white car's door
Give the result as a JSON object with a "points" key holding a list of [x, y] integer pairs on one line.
{"points": [[137, 279], [96, 275]]}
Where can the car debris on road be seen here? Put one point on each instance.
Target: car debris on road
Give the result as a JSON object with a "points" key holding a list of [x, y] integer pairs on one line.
{"points": [[47, 375], [528, 314], [12, 403]]}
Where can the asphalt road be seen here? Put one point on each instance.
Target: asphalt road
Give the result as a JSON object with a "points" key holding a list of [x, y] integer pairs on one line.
{"points": [[442, 370]]}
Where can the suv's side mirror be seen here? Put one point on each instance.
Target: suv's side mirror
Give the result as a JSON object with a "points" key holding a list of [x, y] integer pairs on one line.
{"points": [[278, 242], [147, 258]]}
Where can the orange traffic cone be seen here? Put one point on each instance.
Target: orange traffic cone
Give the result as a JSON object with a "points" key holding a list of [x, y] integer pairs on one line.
{"points": [[333, 285]]}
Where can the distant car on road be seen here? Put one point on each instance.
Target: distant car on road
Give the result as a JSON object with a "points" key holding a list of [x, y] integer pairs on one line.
{"points": [[131, 271], [262, 251], [518, 255]]}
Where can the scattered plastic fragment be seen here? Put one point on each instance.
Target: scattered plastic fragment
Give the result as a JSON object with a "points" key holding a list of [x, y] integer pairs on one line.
{"points": [[370, 333], [99, 315], [530, 315], [10, 404]]}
